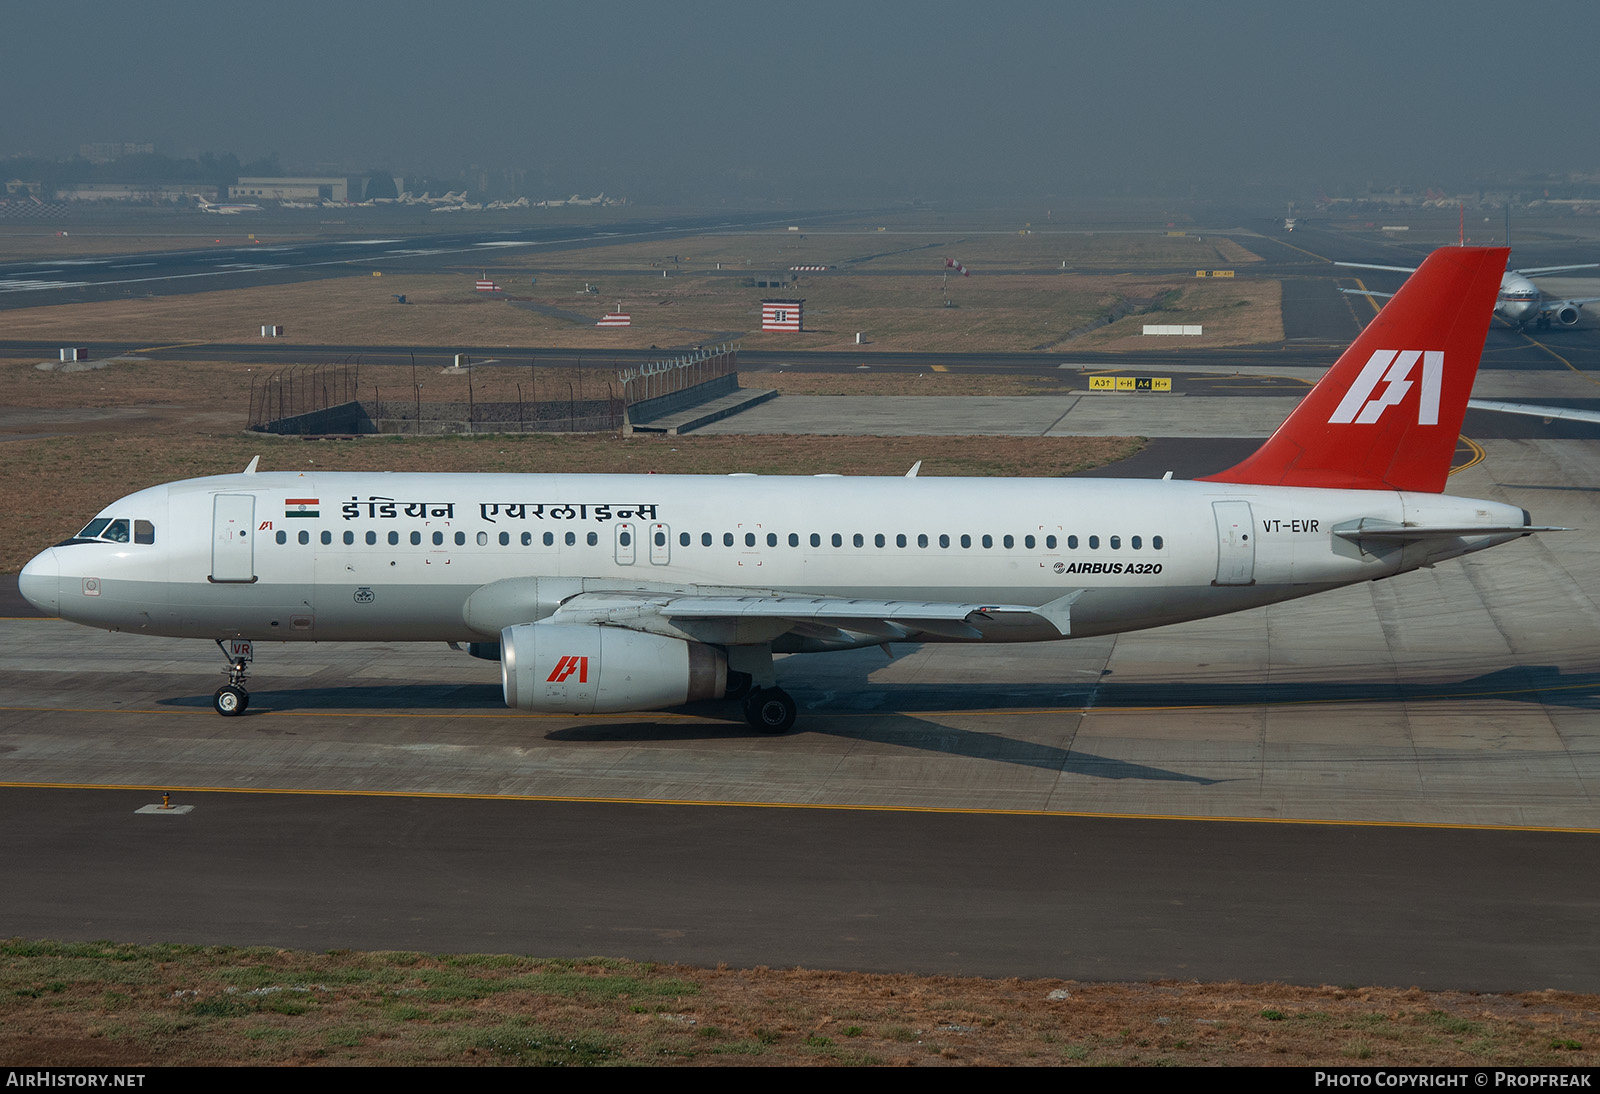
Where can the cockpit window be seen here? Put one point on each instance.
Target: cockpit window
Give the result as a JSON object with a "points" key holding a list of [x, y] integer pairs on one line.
{"points": [[116, 530]]}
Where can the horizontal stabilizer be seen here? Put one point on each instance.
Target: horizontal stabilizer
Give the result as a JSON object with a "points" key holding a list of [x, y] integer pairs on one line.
{"points": [[1389, 532]]}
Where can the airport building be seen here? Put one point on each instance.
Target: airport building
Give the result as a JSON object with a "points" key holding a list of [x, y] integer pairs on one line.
{"points": [[782, 315], [297, 189]]}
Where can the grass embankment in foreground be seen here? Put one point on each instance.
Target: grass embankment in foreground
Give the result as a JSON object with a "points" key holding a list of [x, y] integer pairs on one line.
{"points": [[110, 1005]]}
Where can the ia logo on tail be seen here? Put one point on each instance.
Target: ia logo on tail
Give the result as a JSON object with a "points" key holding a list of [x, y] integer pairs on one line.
{"points": [[1392, 368]]}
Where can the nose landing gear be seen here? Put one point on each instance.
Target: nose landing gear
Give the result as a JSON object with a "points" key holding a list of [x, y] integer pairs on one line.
{"points": [[232, 699]]}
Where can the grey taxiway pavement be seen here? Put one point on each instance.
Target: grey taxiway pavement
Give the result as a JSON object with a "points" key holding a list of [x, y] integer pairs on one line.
{"points": [[1395, 783]]}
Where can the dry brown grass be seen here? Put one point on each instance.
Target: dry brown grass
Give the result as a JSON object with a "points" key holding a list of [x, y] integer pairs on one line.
{"points": [[134, 1007], [1233, 313], [999, 311]]}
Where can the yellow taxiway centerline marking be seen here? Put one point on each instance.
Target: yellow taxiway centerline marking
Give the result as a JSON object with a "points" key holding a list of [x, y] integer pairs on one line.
{"points": [[1302, 250], [1562, 359], [1478, 455], [824, 806], [1376, 307]]}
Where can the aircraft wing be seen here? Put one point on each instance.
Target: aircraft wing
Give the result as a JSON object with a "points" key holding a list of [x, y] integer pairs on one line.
{"points": [[729, 619], [1533, 410], [1375, 266], [1559, 269], [1557, 305]]}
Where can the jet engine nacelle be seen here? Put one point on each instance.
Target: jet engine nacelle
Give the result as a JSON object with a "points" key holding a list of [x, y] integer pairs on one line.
{"points": [[1568, 314], [574, 668]]}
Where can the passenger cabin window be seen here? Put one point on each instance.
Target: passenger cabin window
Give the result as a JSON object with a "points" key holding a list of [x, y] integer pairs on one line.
{"points": [[283, 537]]}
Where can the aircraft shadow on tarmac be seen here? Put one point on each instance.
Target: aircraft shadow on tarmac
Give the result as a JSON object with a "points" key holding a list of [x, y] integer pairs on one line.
{"points": [[1543, 684], [906, 731], [900, 714]]}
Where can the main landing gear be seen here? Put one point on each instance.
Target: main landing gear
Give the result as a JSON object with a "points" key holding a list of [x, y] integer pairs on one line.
{"points": [[767, 708], [231, 699], [770, 710]]}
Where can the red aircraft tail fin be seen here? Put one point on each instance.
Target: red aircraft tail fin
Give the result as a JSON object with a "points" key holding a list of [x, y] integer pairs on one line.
{"points": [[1387, 415]]}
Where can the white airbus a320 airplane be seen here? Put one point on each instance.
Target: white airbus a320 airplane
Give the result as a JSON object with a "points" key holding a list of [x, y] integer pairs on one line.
{"points": [[608, 593]]}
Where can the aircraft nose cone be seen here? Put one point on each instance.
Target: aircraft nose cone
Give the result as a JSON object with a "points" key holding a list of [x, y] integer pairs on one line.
{"points": [[40, 582]]}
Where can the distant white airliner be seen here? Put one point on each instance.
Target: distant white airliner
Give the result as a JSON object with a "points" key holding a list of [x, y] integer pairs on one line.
{"points": [[1519, 301], [609, 593], [230, 209]]}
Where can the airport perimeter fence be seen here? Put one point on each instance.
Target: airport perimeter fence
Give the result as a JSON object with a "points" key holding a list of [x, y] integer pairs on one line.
{"points": [[669, 376], [322, 400], [300, 390]]}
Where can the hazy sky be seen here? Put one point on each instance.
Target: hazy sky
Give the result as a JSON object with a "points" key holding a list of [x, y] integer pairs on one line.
{"points": [[864, 101]]}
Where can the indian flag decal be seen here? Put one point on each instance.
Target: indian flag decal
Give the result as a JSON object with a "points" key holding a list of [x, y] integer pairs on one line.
{"points": [[300, 507]]}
